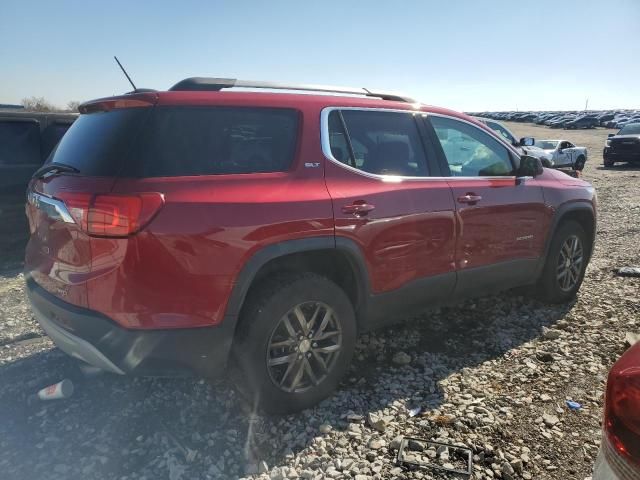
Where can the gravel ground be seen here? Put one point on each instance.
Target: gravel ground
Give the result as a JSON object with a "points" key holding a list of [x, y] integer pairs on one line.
{"points": [[492, 375]]}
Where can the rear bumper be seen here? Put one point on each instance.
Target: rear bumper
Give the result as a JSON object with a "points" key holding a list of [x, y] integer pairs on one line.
{"points": [[97, 340], [609, 465], [602, 470]]}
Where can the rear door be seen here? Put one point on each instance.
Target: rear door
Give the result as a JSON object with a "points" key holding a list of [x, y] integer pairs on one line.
{"points": [[501, 222], [379, 176]]}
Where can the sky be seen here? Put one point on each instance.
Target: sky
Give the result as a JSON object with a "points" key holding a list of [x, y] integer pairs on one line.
{"points": [[463, 54]]}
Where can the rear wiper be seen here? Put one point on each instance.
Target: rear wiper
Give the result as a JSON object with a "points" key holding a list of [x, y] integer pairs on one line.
{"points": [[54, 168]]}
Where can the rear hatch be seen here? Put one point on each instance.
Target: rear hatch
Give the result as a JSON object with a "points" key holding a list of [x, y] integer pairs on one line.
{"points": [[69, 201]]}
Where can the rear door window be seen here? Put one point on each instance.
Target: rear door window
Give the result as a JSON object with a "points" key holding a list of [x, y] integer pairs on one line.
{"points": [[383, 143], [19, 143], [184, 141]]}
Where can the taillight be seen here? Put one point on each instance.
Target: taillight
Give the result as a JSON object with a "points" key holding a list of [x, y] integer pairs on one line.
{"points": [[622, 408], [112, 215]]}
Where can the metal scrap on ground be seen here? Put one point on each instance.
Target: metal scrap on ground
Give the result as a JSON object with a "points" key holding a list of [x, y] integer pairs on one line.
{"points": [[435, 456], [629, 271]]}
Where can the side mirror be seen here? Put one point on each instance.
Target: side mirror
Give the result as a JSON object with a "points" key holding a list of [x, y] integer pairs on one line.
{"points": [[527, 141], [611, 135], [529, 166]]}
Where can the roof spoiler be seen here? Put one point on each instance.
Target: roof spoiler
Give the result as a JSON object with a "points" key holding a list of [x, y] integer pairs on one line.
{"points": [[128, 100], [216, 84]]}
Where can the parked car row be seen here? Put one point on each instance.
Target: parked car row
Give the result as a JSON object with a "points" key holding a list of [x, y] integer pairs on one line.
{"points": [[569, 120]]}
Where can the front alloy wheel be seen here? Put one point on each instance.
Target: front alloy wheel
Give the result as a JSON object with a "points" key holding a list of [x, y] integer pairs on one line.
{"points": [[565, 265], [570, 263]]}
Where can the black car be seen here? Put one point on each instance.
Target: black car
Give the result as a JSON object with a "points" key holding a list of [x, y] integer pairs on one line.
{"points": [[561, 122], [603, 118], [26, 139], [582, 122], [623, 146]]}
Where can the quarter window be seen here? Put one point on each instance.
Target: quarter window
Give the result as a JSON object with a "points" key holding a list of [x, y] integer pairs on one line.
{"points": [[384, 143], [469, 151]]}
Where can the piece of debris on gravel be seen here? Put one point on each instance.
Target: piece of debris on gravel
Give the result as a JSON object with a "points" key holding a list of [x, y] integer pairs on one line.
{"points": [[493, 375]]}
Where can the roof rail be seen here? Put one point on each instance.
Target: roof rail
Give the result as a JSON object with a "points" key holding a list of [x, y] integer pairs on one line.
{"points": [[217, 84]]}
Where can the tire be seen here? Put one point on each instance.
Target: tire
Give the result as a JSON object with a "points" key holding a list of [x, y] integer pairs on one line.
{"points": [[579, 165], [552, 287], [271, 388], [608, 163]]}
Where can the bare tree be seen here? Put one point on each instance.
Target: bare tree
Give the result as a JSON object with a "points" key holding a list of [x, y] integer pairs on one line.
{"points": [[38, 104], [73, 105]]}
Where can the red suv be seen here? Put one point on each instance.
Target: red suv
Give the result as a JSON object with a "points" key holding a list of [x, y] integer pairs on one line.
{"points": [[191, 229]]}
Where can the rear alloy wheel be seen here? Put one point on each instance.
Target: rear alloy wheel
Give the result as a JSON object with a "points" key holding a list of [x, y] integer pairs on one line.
{"points": [[304, 347], [565, 265], [295, 341]]}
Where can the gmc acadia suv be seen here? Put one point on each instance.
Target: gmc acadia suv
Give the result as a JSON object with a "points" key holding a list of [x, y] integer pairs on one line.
{"points": [[205, 226]]}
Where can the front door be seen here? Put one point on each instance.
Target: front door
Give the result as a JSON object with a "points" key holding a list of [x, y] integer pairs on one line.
{"points": [[565, 154], [378, 176], [501, 222]]}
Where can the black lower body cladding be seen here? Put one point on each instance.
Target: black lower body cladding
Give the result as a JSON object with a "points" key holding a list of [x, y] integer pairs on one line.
{"points": [[91, 337]]}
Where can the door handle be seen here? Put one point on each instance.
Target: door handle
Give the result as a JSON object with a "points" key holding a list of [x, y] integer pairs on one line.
{"points": [[358, 209], [469, 198]]}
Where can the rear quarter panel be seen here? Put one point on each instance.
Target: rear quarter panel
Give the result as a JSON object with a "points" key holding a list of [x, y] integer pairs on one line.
{"points": [[181, 269]]}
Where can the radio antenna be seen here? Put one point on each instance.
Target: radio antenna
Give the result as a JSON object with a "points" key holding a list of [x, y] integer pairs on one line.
{"points": [[125, 73]]}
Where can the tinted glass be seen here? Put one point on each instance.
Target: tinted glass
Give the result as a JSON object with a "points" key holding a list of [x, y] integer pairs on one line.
{"points": [[19, 143], [52, 135], [630, 129], [97, 143], [182, 141], [546, 144], [469, 151], [384, 143]]}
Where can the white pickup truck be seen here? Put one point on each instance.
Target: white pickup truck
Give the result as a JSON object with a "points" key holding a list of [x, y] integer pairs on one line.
{"points": [[562, 153]]}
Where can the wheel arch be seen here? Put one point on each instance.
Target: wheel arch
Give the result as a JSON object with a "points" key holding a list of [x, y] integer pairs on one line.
{"points": [[580, 211], [339, 259]]}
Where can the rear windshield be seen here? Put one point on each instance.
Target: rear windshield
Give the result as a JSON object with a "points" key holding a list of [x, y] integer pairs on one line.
{"points": [[180, 141], [215, 140], [19, 143], [97, 143], [52, 135]]}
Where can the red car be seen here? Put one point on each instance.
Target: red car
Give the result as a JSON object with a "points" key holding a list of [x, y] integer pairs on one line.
{"points": [[619, 456], [174, 231]]}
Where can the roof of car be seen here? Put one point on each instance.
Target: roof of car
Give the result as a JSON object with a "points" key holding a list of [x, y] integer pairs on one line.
{"points": [[267, 99]]}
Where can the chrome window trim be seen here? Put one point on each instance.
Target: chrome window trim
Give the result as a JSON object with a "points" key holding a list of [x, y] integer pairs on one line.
{"points": [[326, 146], [51, 205]]}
